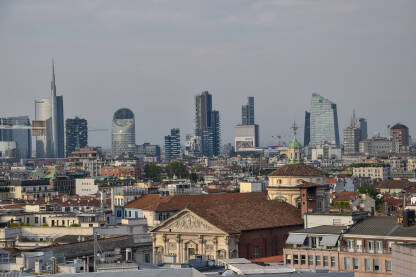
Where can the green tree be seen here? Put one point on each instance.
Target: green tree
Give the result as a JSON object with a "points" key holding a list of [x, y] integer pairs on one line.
{"points": [[193, 177], [372, 191], [153, 172], [178, 169]]}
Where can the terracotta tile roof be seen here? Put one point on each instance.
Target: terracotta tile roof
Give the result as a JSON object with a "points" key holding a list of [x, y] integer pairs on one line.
{"points": [[345, 196], [331, 181], [155, 202], [297, 170], [252, 215], [392, 201], [395, 184]]}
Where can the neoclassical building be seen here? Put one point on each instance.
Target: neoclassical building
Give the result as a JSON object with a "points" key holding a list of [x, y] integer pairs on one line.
{"points": [[298, 184], [244, 229]]}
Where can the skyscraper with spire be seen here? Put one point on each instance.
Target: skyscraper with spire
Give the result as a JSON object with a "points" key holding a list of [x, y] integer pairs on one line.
{"points": [[51, 111]]}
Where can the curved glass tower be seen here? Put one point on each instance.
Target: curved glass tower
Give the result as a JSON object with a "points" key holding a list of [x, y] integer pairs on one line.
{"points": [[123, 139]]}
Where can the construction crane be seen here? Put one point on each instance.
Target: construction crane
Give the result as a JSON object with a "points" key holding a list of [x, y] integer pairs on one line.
{"points": [[279, 142]]}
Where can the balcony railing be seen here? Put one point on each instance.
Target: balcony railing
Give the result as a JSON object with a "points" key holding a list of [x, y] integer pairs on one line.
{"points": [[366, 250]]}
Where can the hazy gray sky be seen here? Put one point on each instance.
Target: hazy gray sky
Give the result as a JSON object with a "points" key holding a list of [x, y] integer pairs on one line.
{"points": [[154, 56]]}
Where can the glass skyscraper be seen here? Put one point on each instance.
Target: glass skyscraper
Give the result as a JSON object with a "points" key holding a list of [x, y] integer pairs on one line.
{"points": [[22, 137], [247, 112], [307, 130], [51, 111], [123, 139], [323, 121]]}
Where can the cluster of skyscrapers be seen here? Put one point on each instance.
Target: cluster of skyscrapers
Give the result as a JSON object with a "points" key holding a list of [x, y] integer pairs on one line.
{"points": [[49, 112], [321, 127]]}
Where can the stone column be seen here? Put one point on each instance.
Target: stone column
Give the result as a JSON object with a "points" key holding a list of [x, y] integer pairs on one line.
{"points": [[165, 244], [178, 249], [227, 245], [215, 240], [154, 248], [202, 243]]}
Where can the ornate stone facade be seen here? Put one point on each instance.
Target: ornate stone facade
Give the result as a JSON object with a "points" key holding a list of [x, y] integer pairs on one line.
{"points": [[186, 234]]}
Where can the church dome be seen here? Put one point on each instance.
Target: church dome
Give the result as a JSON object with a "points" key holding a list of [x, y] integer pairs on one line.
{"points": [[294, 144]]}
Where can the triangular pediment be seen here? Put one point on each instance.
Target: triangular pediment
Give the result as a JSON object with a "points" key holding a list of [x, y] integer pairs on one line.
{"points": [[187, 222]]}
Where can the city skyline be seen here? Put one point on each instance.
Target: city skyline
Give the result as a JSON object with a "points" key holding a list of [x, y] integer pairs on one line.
{"points": [[131, 70]]}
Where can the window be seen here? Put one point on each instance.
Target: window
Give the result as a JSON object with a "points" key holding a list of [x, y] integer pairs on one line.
{"points": [[310, 260], [376, 265], [27, 220], [44, 220], [36, 219], [379, 246], [367, 264], [347, 263], [350, 244], [355, 263], [332, 261], [302, 259], [288, 259], [317, 260], [388, 266], [295, 259], [370, 245], [325, 260], [129, 213], [256, 252], [359, 244]]}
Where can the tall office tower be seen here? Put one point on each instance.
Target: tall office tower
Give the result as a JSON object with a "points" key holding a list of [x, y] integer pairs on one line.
{"points": [[123, 138], [361, 123], [400, 135], [51, 110], [247, 112], [207, 124], [351, 140], [76, 134], [173, 145], [324, 121], [307, 130], [21, 137]]}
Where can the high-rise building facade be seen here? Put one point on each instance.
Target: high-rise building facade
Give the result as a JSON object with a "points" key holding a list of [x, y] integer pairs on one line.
{"points": [[351, 140], [246, 135], [51, 111], [123, 138], [207, 125], [76, 134], [247, 112], [172, 145], [21, 137], [323, 121], [400, 135], [149, 150], [361, 123], [307, 130]]}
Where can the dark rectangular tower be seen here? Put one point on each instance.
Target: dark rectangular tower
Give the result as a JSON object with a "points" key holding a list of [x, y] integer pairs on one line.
{"points": [[76, 134]]}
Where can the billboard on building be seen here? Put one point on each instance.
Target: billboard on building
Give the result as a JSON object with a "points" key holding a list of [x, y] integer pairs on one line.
{"points": [[244, 142]]}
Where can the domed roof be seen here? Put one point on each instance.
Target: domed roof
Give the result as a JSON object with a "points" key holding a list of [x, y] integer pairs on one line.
{"points": [[294, 144], [123, 113]]}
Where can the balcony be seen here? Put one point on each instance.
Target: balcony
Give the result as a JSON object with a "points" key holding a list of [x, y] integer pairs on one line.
{"points": [[366, 250]]}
